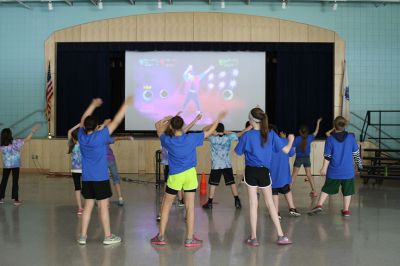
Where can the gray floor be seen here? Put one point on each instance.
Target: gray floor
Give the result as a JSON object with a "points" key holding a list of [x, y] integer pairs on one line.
{"points": [[43, 230]]}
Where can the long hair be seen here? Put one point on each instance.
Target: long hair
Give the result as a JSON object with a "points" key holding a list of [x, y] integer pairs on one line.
{"points": [[6, 137], [304, 134], [73, 140], [175, 124], [262, 117], [340, 123]]}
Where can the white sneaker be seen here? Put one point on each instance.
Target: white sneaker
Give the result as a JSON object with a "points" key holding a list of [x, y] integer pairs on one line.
{"points": [[112, 239], [82, 240]]}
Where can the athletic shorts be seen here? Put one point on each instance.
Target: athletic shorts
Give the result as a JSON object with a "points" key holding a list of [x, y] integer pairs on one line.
{"points": [[77, 180], [186, 180], [97, 190], [281, 190], [299, 161], [257, 176], [215, 176], [166, 172], [331, 186]]}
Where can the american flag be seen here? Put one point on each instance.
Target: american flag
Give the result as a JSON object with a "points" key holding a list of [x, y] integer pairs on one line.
{"points": [[49, 94]]}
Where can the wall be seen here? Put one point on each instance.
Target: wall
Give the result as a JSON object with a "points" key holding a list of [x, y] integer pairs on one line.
{"points": [[371, 33]]}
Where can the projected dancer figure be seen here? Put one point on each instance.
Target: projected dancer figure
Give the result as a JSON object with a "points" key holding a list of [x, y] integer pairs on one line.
{"points": [[192, 86]]}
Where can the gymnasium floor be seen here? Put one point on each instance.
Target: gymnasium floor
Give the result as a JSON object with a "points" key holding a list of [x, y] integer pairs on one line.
{"points": [[43, 230]]}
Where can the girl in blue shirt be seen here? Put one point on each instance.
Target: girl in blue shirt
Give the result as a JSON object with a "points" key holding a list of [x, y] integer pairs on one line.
{"points": [[302, 145], [76, 164], [182, 161], [258, 146], [341, 149]]}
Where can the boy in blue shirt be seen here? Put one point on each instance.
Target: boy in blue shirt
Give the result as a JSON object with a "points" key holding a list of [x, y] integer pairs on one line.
{"points": [[221, 163], [340, 150], [95, 181]]}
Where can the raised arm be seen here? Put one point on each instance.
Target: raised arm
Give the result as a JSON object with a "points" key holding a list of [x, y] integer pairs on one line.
{"points": [[162, 125], [120, 114], [288, 146], [33, 131], [239, 134], [188, 127], [72, 130], [210, 130], [97, 102], [329, 132], [317, 127]]}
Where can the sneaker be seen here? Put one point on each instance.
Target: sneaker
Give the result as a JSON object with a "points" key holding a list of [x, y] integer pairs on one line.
{"points": [[194, 242], [112, 239], [305, 179], [252, 242], [279, 216], [181, 203], [79, 211], [238, 205], [345, 213], [120, 202], [158, 218], [283, 240], [209, 205], [315, 210], [17, 203], [294, 212], [1, 201], [158, 240], [313, 194], [82, 240]]}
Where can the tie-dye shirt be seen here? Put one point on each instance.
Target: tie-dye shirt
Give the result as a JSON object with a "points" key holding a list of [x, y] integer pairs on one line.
{"points": [[220, 149], [76, 159], [12, 154]]}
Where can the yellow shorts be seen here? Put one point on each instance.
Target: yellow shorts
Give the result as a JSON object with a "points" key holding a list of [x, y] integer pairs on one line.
{"points": [[186, 180]]}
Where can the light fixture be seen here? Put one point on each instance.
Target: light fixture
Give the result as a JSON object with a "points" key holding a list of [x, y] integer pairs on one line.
{"points": [[159, 4], [284, 4], [334, 6], [100, 5], [222, 4], [50, 6]]}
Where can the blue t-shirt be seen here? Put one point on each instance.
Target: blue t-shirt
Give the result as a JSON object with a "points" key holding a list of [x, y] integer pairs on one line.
{"points": [[341, 164], [220, 149], [164, 156], [297, 146], [181, 151], [257, 155], [94, 154], [280, 168], [12, 154]]}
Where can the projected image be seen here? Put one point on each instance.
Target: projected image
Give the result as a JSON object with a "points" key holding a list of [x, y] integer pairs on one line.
{"points": [[192, 82]]}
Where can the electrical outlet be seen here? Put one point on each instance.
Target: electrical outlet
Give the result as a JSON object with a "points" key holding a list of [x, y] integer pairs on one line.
{"points": [[36, 156], [33, 156]]}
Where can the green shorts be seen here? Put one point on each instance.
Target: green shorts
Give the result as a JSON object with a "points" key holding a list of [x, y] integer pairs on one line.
{"points": [[331, 186], [186, 180]]}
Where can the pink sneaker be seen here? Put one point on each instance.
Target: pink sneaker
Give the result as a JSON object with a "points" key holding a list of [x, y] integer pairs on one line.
{"points": [[346, 213], [283, 240], [193, 243], [158, 240], [315, 210], [17, 203], [313, 194], [79, 211]]}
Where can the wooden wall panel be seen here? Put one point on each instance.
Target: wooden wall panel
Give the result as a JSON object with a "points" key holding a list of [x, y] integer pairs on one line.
{"points": [[338, 90], [339, 55], [95, 31], [72, 34], [264, 29], [236, 28], [292, 31], [60, 160], [179, 27], [122, 29], [207, 26], [151, 27], [317, 34], [126, 154]]}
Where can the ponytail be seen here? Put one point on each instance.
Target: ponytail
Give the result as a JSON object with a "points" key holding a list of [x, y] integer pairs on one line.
{"points": [[304, 134], [258, 116]]}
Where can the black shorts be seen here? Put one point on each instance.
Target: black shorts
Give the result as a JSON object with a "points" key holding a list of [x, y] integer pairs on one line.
{"points": [[77, 180], [257, 176], [166, 172], [175, 192], [281, 190], [97, 190], [215, 176]]}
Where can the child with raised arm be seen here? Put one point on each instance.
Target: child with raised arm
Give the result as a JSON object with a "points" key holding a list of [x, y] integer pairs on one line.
{"points": [[221, 163], [258, 146], [11, 149], [302, 145], [76, 165], [341, 149], [182, 173], [280, 176], [95, 181]]}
